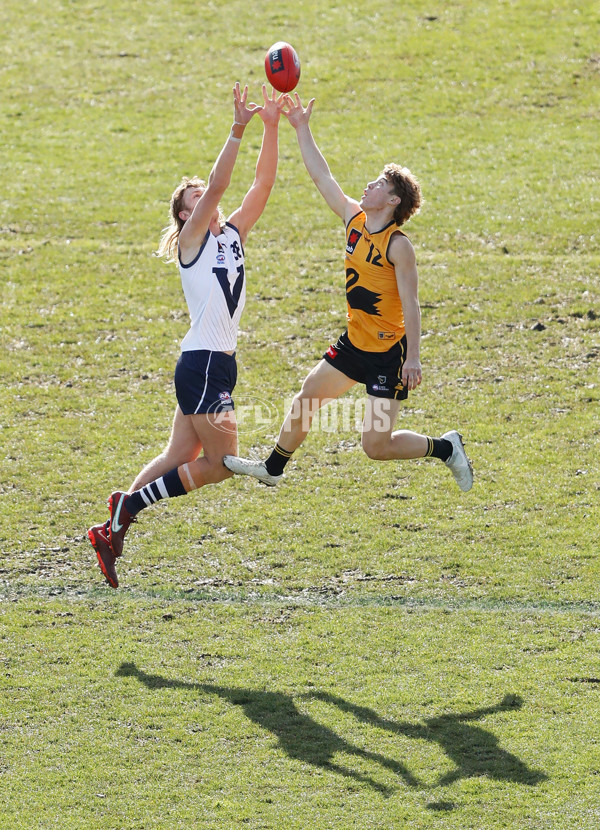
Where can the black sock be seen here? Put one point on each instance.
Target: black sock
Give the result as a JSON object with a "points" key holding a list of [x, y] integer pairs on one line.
{"points": [[276, 462], [166, 487], [439, 448]]}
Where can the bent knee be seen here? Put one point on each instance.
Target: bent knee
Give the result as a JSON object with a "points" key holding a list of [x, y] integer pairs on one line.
{"points": [[179, 457], [375, 450], [202, 472], [303, 398]]}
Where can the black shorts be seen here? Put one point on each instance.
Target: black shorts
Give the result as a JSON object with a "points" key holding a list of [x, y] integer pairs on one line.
{"points": [[381, 372], [204, 382]]}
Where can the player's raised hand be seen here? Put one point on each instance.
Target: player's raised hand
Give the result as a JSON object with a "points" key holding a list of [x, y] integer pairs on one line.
{"points": [[243, 112], [296, 113], [273, 106]]}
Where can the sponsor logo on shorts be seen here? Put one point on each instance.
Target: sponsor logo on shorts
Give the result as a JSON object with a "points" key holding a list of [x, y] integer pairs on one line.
{"points": [[225, 396], [382, 378], [378, 387], [332, 352], [353, 238]]}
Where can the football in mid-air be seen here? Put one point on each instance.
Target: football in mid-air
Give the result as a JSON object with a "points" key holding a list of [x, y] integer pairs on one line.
{"points": [[282, 66]]}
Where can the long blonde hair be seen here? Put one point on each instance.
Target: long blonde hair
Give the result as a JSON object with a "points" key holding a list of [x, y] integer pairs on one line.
{"points": [[169, 239]]}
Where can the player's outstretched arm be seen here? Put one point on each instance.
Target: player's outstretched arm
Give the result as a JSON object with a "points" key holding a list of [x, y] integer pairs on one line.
{"points": [[315, 162], [256, 198], [194, 230]]}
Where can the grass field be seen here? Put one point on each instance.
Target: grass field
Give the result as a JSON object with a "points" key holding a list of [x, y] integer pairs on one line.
{"points": [[365, 646]]}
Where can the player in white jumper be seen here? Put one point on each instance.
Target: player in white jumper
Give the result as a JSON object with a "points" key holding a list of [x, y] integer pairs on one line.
{"points": [[210, 254]]}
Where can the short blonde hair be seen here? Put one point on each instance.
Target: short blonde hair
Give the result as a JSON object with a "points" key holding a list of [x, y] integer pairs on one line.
{"points": [[407, 187], [170, 235]]}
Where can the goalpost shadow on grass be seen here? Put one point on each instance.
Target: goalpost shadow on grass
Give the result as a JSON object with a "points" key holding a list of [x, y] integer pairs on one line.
{"points": [[474, 750]]}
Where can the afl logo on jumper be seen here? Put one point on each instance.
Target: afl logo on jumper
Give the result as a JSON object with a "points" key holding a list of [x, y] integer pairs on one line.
{"points": [[353, 238]]}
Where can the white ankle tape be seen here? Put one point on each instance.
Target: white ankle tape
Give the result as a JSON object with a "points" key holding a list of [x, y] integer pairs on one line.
{"points": [[191, 481]]}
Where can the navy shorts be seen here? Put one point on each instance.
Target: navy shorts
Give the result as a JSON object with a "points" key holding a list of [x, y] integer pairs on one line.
{"points": [[204, 382], [381, 372]]}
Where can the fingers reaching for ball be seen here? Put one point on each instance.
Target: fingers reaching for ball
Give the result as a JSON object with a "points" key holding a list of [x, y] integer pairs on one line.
{"points": [[272, 107], [296, 112], [274, 104], [239, 95], [273, 97], [243, 111]]}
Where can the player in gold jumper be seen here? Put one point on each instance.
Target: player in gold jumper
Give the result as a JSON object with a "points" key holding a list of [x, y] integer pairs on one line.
{"points": [[375, 313], [381, 347]]}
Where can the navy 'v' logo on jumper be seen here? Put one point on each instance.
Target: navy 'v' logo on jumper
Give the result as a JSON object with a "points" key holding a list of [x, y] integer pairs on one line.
{"points": [[232, 296]]}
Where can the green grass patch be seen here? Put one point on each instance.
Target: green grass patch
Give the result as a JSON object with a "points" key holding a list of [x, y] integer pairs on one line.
{"points": [[143, 713]]}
